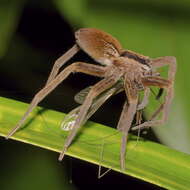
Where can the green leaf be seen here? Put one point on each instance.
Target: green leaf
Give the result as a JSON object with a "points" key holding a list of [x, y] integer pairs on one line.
{"points": [[146, 160]]}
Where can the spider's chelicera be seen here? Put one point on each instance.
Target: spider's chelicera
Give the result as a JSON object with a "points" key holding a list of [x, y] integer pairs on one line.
{"points": [[137, 72]]}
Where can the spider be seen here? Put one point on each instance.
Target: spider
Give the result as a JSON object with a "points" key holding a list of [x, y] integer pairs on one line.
{"points": [[135, 72]]}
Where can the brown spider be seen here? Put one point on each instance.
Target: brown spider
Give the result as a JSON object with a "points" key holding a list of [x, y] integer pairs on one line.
{"points": [[137, 72]]}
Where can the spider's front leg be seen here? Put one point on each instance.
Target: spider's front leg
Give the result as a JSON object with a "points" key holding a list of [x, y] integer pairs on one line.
{"points": [[96, 90], [169, 86], [75, 67], [164, 61], [140, 106], [126, 117], [160, 62], [166, 84]]}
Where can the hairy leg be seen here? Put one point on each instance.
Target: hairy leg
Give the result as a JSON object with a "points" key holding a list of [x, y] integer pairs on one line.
{"points": [[160, 62], [124, 125], [70, 119], [75, 67], [155, 114], [127, 117], [166, 84], [144, 102], [122, 116], [156, 63], [140, 106], [164, 61], [95, 91], [60, 62]]}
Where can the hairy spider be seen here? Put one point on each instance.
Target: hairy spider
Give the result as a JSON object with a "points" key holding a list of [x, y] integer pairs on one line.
{"points": [[137, 72]]}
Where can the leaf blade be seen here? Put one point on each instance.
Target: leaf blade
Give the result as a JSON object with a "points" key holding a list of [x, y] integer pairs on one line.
{"points": [[148, 161]]}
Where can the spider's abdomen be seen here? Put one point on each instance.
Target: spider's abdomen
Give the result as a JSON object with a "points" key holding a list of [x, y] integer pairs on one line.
{"points": [[99, 45]]}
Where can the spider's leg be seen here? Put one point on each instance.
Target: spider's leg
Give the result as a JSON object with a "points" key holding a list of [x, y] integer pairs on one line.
{"points": [[75, 67], [96, 90], [164, 61], [155, 114], [60, 62], [163, 83], [156, 63], [160, 62], [122, 116], [98, 103], [144, 102], [70, 118], [126, 118]]}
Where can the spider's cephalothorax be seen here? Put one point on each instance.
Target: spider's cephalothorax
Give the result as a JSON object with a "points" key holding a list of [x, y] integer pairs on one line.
{"points": [[137, 57], [137, 72]]}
